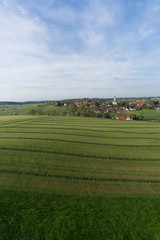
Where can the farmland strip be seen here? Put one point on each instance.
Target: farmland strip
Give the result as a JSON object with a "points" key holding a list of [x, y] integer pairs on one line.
{"points": [[78, 155], [91, 143], [96, 126], [78, 177], [16, 120], [80, 129], [80, 135]]}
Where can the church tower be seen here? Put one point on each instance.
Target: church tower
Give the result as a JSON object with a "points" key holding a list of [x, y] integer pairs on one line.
{"points": [[114, 101]]}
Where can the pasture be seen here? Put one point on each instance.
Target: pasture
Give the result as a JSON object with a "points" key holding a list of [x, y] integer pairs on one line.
{"points": [[91, 174], [148, 114], [17, 109]]}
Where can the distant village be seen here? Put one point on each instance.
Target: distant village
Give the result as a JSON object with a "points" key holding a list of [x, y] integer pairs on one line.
{"points": [[113, 108]]}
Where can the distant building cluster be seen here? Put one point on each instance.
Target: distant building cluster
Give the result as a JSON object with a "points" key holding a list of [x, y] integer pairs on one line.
{"points": [[103, 108]]}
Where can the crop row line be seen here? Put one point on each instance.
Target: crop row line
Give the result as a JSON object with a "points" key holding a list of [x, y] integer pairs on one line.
{"points": [[81, 135], [79, 129], [95, 126], [76, 155], [16, 120], [79, 177], [88, 121], [90, 143]]}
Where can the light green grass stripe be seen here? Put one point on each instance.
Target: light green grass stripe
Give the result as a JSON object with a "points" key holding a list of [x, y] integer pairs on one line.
{"points": [[95, 126], [80, 135], [91, 143], [80, 129], [78, 155], [7, 122]]}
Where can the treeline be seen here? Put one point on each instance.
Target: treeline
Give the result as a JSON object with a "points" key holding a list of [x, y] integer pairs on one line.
{"points": [[73, 110], [83, 110]]}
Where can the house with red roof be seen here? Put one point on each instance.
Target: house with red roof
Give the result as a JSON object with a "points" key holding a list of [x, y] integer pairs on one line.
{"points": [[124, 117], [78, 104]]}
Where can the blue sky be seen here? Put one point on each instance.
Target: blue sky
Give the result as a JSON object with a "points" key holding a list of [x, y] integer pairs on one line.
{"points": [[58, 49]]}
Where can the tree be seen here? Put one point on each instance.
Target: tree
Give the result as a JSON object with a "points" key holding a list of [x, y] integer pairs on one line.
{"points": [[134, 116], [40, 112], [151, 105], [71, 108], [83, 110], [32, 111], [107, 115]]}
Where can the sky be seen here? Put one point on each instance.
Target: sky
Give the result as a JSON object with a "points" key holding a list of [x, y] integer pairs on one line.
{"points": [[64, 49]]}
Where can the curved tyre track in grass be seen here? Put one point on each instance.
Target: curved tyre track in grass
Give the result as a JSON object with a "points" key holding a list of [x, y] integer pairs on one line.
{"points": [[80, 129], [36, 174], [70, 134], [79, 155], [80, 135], [84, 142], [95, 126]]}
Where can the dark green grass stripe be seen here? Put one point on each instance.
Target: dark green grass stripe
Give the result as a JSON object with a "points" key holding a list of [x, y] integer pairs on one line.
{"points": [[96, 126], [26, 120], [80, 135], [78, 177], [79, 129], [90, 143], [90, 121], [15, 121], [78, 155]]}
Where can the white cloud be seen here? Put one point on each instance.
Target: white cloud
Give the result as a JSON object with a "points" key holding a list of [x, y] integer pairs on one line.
{"points": [[100, 13], [64, 15], [39, 60], [96, 20], [91, 39]]}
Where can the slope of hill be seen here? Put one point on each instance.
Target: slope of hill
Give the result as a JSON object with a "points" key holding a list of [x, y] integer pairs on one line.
{"points": [[79, 178]]}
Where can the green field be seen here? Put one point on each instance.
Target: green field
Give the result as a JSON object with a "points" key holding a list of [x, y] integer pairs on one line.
{"points": [[79, 178], [148, 114], [18, 109]]}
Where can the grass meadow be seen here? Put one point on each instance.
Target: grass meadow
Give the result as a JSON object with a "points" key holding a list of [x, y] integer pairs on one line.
{"points": [[17, 109], [148, 114], [79, 178]]}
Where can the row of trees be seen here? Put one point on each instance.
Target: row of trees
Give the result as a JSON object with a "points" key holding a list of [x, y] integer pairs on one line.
{"points": [[73, 110], [82, 110]]}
